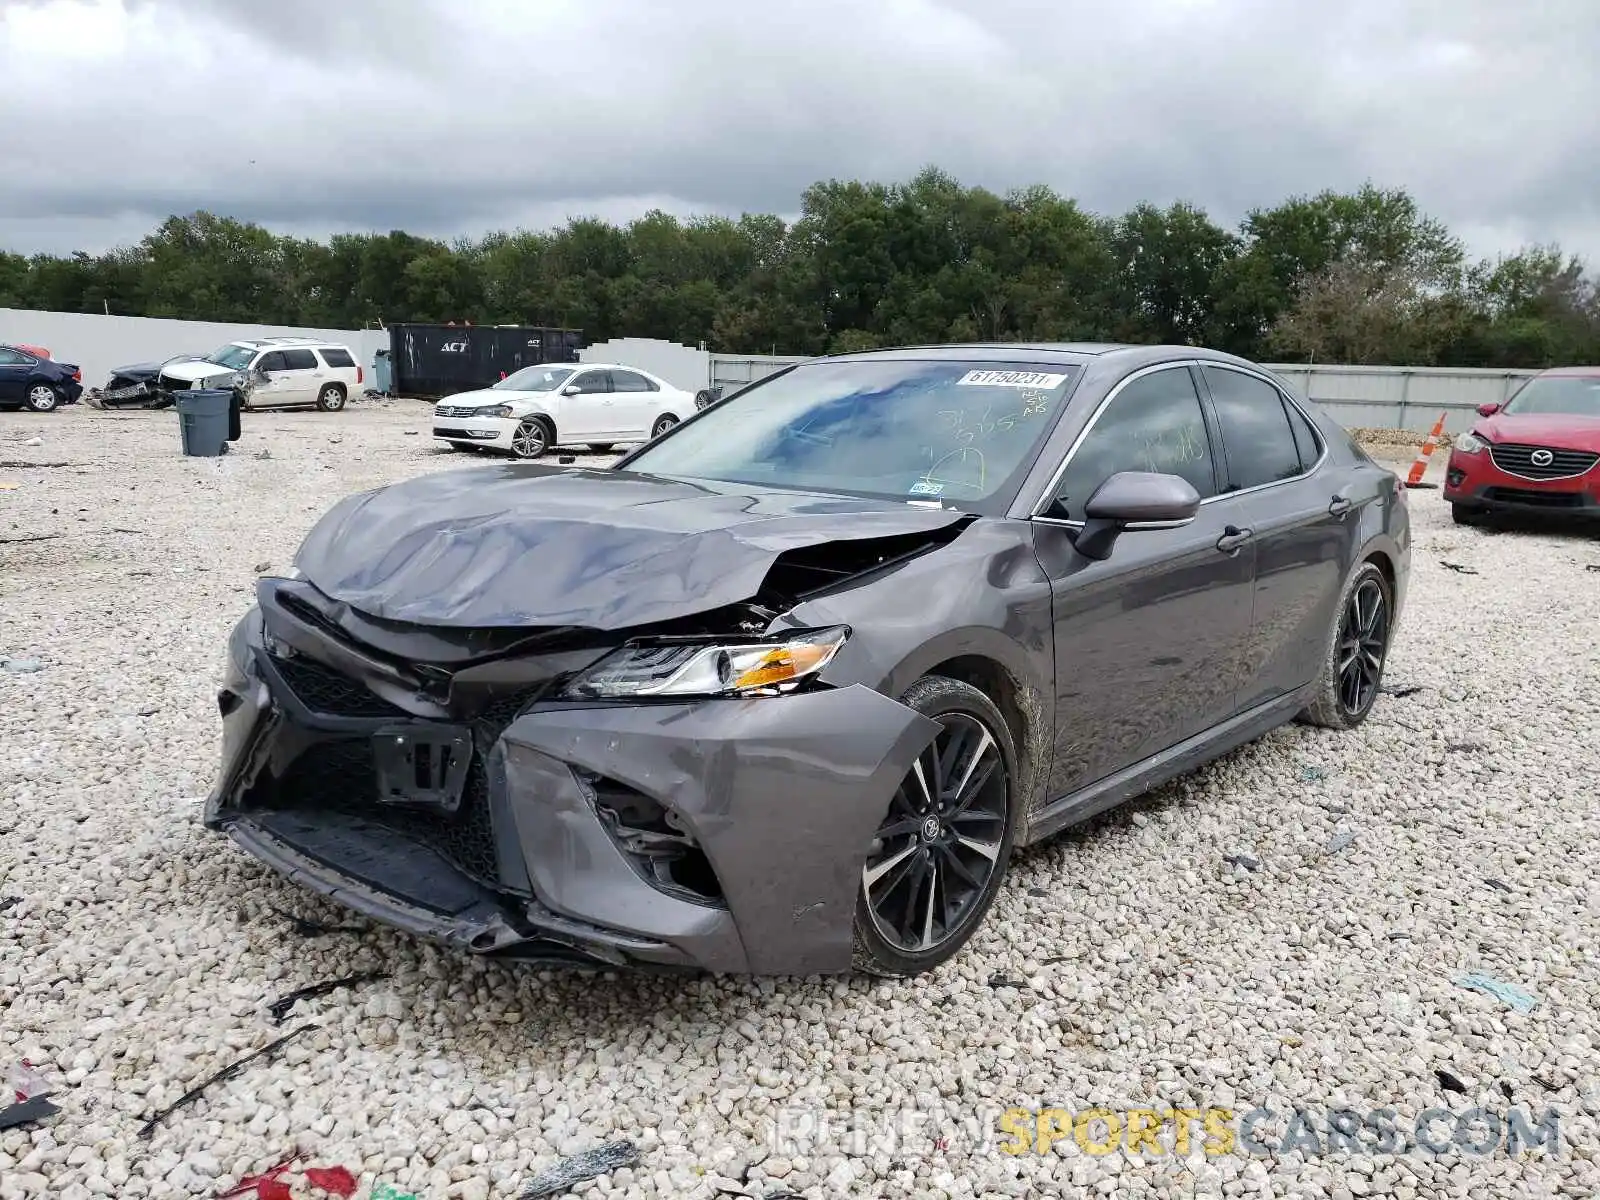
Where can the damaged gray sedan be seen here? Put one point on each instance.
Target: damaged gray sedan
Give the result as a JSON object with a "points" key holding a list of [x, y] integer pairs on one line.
{"points": [[782, 690]]}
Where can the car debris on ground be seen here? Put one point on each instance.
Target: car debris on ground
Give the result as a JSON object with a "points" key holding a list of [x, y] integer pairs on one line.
{"points": [[1510, 994], [228, 1072], [281, 1007], [579, 1168]]}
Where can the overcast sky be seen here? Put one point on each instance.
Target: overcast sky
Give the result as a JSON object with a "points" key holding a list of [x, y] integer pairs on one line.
{"points": [[454, 117]]}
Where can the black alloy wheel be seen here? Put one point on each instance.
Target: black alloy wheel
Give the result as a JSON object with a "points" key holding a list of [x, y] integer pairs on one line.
{"points": [[1363, 641], [940, 854], [1352, 671]]}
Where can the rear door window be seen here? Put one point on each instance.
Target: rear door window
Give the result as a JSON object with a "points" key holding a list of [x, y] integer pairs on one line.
{"points": [[299, 360], [629, 381]]}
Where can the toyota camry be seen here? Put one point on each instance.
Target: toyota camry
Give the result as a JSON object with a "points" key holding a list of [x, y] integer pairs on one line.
{"points": [[781, 691]]}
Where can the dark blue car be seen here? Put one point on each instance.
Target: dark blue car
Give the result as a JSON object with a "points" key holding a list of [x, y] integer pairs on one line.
{"points": [[42, 384]]}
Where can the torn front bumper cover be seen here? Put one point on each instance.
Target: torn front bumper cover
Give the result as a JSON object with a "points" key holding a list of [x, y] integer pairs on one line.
{"points": [[724, 835]]}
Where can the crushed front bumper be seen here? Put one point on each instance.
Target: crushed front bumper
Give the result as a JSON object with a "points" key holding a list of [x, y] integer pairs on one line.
{"points": [[776, 798]]}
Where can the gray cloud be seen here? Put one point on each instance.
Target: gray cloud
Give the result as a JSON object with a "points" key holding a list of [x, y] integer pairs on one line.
{"points": [[318, 115]]}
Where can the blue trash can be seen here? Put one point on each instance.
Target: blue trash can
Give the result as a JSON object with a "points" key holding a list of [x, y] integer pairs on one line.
{"points": [[203, 421], [380, 372]]}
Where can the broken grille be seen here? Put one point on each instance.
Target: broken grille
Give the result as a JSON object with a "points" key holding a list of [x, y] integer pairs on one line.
{"points": [[324, 690]]}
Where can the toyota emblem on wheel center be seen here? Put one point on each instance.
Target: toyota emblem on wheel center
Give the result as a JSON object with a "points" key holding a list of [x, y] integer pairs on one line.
{"points": [[1541, 458]]}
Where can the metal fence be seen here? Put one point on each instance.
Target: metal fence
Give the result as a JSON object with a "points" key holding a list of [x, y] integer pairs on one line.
{"points": [[730, 373], [1402, 397], [1357, 397]]}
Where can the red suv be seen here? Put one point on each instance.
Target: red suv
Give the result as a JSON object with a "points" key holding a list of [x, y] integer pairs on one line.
{"points": [[1535, 454]]}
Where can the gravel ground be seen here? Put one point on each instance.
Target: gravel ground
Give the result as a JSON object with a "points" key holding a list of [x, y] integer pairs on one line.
{"points": [[1126, 965]]}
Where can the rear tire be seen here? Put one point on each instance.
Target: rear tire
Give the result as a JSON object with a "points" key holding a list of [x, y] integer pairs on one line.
{"points": [[663, 423], [331, 397], [1358, 650], [42, 398], [942, 849]]}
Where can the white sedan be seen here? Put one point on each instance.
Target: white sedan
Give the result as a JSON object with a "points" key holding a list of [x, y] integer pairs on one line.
{"points": [[581, 404]]}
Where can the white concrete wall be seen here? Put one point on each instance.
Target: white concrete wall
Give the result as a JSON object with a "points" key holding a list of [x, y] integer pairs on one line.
{"points": [[681, 366], [99, 344]]}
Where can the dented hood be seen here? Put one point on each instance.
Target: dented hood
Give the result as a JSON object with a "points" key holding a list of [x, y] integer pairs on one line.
{"points": [[525, 545]]}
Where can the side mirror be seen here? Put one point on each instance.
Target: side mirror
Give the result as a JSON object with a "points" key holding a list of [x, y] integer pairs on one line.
{"points": [[1488, 410], [1131, 498], [261, 374], [571, 389]]}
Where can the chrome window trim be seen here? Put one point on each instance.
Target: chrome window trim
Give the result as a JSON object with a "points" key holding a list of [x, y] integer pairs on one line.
{"points": [[1066, 460]]}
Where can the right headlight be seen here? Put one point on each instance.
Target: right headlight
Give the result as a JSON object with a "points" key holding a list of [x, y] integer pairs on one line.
{"points": [[706, 669], [494, 410], [1470, 443]]}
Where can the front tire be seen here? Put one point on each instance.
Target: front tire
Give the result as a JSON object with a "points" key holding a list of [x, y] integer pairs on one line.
{"points": [[1352, 671], [532, 437], [1465, 514], [42, 398], [331, 398], [941, 851]]}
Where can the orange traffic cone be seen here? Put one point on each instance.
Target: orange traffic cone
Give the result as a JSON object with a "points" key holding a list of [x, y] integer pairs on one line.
{"points": [[1420, 467]]}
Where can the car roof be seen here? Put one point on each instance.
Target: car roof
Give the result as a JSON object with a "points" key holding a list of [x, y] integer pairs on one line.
{"points": [[1574, 372], [279, 342], [1128, 354]]}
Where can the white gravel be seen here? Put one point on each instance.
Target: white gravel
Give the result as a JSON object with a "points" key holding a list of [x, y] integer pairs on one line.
{"points": [[142, 951]]}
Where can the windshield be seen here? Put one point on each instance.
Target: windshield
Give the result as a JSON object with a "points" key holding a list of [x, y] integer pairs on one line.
{"points": [[535, 379], [929, 430], [233, 356], [1562, 395]]}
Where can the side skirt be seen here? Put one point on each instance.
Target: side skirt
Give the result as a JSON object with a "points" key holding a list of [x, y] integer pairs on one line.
{"points": [[1077, 807]]}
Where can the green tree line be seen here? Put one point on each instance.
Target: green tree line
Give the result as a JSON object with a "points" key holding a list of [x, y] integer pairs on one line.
{"points": [[1364, 277]]}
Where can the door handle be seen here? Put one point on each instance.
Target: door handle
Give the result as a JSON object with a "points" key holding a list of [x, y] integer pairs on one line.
{"points": [[1339, 505], [1233, 537]]}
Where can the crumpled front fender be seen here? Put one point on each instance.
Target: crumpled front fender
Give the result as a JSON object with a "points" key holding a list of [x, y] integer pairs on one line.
{"points": [[783, 794]]}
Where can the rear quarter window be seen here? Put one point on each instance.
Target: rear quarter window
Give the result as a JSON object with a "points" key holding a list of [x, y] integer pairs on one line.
{"points": [[337, 358], [1306, 440]]}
